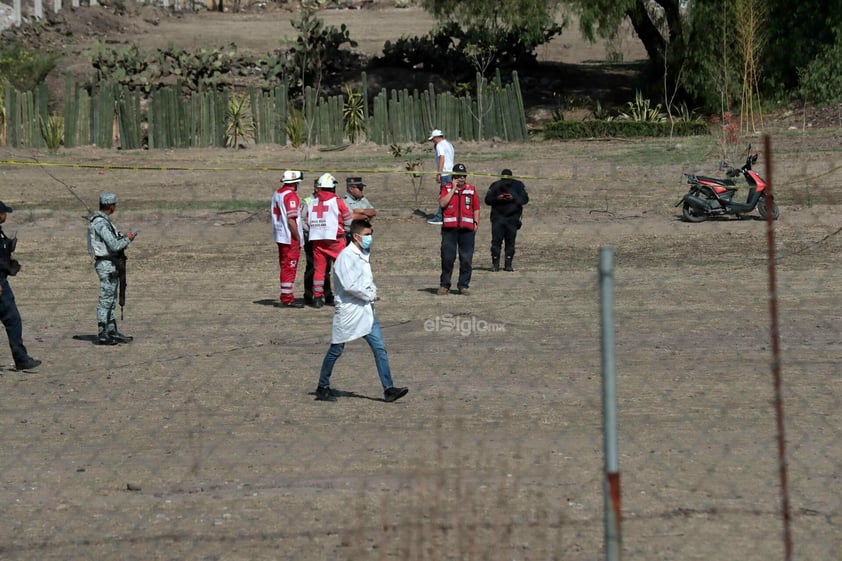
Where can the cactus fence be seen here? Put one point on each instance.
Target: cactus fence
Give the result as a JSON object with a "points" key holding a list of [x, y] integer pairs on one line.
{"points": [[112, 116]]}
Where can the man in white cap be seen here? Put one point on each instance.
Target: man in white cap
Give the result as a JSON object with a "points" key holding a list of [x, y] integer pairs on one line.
{"points": [[107, 246], [9, 314], [444, 166], [289, 235]]}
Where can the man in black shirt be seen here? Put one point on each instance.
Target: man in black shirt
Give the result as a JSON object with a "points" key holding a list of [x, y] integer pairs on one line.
{"points": [[9, 314], [506, 197]]}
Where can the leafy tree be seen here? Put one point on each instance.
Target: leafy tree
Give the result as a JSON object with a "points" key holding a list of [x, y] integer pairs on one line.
{"points": [[531, 17], [821, 79], [798, 33], [602, 18], [712, 76], [702, 40], [316, 52], [506, 31]]}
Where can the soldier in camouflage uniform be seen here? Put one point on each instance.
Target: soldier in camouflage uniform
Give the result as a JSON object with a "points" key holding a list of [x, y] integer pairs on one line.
{"points": [[106, 245]]}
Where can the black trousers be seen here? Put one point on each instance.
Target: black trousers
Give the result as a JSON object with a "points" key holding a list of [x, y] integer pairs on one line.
{"points": [[504, 230], [309, 273], [10, 317], [453, 240]]}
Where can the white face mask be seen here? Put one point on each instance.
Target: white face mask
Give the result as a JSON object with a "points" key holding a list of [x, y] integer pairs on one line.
{"points": [[366, 240]]}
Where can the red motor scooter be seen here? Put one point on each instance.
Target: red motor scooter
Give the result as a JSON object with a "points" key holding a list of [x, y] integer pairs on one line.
{"points": [[709, 196]]}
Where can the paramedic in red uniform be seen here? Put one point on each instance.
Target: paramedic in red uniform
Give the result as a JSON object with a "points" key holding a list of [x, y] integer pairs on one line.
{"points": [[460, 208], [327, 218], [288, 234]]}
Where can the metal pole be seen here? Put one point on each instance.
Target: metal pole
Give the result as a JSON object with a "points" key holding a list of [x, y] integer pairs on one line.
{"points": [[611, 485], [774, 329]]}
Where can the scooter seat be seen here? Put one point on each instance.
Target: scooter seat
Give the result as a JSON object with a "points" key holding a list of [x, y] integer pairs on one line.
{"points": [[723, 182]]}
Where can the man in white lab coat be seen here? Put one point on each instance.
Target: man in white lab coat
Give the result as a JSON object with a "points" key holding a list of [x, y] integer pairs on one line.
{"points": [[354, 292]]}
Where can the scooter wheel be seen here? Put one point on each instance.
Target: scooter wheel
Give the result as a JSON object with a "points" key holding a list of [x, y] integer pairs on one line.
{"points": [[761, 208], [692, 214]]}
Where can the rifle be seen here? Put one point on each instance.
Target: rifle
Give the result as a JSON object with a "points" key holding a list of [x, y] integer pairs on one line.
{"points": [[119, 260]]}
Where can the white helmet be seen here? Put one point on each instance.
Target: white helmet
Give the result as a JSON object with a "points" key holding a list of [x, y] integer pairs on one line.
{"points": [[327, 181], [292, 176]]}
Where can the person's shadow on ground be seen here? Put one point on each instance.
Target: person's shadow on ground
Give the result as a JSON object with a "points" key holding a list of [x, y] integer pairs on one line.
{"points": [[87, 338], [342, 393]]}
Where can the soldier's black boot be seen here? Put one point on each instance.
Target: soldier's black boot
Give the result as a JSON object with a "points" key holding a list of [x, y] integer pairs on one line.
{"points": [[508, 265], [104, 338], [495, 264], [116, 335]]}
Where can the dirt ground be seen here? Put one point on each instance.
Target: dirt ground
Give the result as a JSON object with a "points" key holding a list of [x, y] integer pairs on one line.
{"points": [[202, 439]]}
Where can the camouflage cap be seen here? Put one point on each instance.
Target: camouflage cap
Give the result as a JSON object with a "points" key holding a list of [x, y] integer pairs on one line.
{"points": [[107, 199]]}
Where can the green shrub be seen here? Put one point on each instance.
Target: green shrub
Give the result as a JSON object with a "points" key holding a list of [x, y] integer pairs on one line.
{"points": [[52, 129], [239, 122], [353, 114], [622, 129], [641, 110], [821, 80], [294, 127], [451, 49], [25, 69]]}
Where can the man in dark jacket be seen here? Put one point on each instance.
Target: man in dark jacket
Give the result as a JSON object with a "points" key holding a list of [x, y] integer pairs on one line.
{"points": [[9, 314], [506, 197]]}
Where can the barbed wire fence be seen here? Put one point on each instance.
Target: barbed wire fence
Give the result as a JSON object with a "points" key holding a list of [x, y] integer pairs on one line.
{"points": [[202, 439]]}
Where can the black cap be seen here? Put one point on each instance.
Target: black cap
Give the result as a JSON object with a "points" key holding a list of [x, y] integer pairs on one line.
{"points": [[460, 169], [354, 182], [506, 172], [4, 207]]}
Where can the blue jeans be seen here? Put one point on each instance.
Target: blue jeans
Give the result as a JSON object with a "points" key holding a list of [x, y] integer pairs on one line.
{"points": [[453, 239], [445, 179], [378, 347], [10, 317]]}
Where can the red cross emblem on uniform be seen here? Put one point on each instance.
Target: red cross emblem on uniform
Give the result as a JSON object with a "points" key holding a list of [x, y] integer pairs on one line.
{"points": [[277, 212], [321, 208]]}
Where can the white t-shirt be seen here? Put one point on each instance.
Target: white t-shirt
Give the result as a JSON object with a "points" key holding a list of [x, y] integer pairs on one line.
{"points": [[444, 149]]}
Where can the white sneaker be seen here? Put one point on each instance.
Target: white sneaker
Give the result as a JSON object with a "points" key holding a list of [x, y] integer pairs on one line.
{"points": [[434, 221]]}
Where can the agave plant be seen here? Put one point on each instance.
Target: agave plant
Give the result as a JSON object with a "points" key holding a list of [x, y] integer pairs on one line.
{"points": [[294, 127], [353, 114], [52, 129], [641, 110], [239, 122]]}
